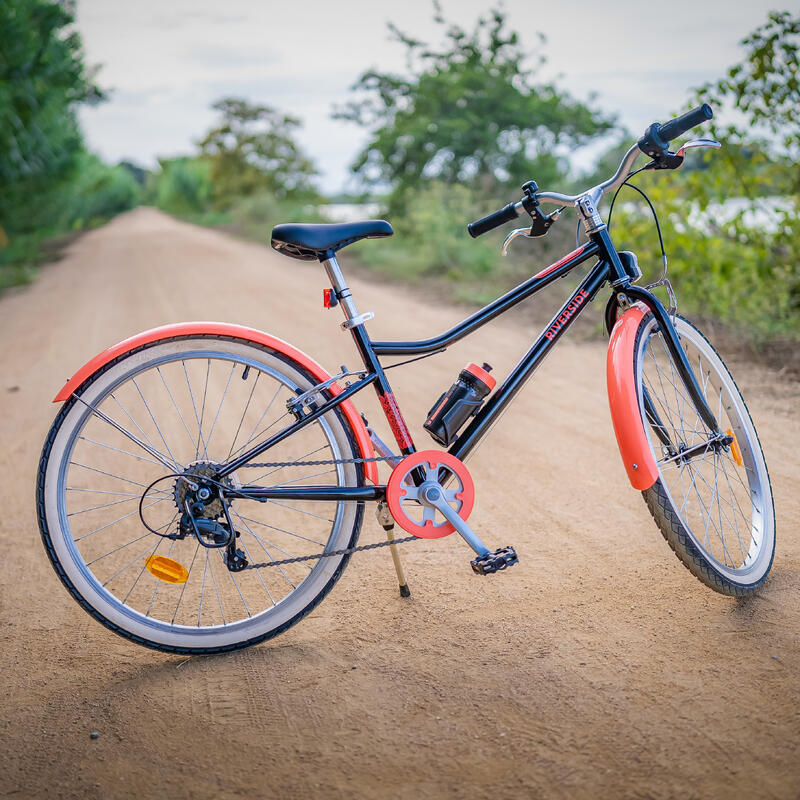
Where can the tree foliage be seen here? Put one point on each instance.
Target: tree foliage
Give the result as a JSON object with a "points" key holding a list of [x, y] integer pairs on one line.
{"points": [[42, 78], [732, 223], [253, 149], [765, 87], [468, 111]]}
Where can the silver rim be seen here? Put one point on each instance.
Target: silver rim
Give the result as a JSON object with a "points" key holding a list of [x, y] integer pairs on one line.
{"points": [[195, 401], [726, 508]]}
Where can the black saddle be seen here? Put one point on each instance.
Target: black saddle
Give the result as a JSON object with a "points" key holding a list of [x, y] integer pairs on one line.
{"points": [[317, 242]]}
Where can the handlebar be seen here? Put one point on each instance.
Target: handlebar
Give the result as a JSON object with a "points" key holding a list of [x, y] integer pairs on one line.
{"points": [[691, 119], [492, 221], [654, 143], [657, 137]]}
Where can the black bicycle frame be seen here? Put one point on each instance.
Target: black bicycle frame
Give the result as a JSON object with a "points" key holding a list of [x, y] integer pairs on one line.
{"points": [[609, 268]]}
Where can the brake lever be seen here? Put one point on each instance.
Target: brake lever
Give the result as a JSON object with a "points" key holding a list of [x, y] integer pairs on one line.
{"points": [[698, 143], [540, 224], [526, 232], [668, 160]]}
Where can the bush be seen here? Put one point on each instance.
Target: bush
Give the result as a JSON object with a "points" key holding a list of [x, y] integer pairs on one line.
{"points": [[95, 193], [432, 241], [184, 186], [723, 264], [98, 193]]}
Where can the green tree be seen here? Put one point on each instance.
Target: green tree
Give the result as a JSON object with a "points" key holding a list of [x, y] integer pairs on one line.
{"points": [[184, 185], [43, 78], [468, 112], [740, 259], [253, 149], [766, 86]]}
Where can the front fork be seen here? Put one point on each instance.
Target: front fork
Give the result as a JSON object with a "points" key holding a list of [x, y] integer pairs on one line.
{"points": [[622, 298]]}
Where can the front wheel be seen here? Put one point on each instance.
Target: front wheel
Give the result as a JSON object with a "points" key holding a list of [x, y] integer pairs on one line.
{"points": [[127, 449], [713, 499]]}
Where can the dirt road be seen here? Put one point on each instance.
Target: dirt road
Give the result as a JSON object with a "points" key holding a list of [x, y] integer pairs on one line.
{"points": [[598, 667]]}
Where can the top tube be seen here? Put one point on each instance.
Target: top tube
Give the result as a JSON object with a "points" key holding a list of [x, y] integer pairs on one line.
{"points": [[494, 309]]}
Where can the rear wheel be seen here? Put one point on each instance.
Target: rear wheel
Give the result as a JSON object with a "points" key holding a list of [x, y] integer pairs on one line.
{"points": [[713, 505], [161, 417]]}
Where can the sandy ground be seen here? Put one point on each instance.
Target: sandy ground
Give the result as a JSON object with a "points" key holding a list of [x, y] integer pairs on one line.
{"points": [[598, 667]]}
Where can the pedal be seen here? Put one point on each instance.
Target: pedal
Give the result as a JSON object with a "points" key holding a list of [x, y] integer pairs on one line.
{"points": [[493, 562]]}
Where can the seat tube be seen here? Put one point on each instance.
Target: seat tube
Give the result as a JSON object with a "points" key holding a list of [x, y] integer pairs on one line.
{"points": [[355, 324], [343, 294]]}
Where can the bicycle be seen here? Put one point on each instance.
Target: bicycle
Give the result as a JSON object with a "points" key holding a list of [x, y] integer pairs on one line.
{"points": [[150, 517]]}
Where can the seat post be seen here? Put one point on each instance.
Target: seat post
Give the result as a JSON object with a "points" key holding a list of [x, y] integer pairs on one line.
{"points": [[340, 287]]}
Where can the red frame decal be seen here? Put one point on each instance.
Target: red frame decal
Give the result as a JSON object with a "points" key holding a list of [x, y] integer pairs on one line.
{"points": [[560, 263], [396, 421]]}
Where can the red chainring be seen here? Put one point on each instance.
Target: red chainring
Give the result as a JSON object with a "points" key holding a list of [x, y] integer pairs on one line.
{"points": [[400, 481]]}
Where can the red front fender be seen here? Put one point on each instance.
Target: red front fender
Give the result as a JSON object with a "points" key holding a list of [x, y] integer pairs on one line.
{"points": [[239, 332], [634, 445]]}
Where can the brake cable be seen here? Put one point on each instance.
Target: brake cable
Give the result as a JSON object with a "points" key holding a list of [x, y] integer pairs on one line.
{"points": [[663, 280]]}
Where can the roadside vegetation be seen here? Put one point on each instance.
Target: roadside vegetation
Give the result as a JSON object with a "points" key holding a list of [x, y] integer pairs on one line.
{"points": [[450, 139], [50, 185], [447, 138]]}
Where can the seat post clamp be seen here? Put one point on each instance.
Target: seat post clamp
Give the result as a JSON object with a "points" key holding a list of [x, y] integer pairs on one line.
{"points": [[359, 320]]}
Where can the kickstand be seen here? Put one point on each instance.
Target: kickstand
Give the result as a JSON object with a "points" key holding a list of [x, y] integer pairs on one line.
{"points": [[387, 523]]}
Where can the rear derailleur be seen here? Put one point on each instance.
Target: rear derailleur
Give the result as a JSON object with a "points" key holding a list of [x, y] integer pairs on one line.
{"points": [[211, 533]]}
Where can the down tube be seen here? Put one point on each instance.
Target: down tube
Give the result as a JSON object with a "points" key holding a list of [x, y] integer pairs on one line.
{"points": [[497, 403]]}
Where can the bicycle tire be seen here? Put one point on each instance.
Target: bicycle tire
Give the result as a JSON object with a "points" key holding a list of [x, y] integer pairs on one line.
{"points": [[129, 622], [679, 521]]}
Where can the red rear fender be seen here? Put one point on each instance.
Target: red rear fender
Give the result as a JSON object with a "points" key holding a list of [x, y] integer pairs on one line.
{"points": [[239, 332]]}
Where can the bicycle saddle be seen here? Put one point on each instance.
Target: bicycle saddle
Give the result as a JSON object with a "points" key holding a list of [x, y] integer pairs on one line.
{"points": [[317, 242]]}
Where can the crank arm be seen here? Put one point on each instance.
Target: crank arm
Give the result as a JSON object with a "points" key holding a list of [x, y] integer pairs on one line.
{"points": [[432, 495]]}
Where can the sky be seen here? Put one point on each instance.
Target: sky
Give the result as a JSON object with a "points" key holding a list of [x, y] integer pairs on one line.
{"points": [[167, 61]]}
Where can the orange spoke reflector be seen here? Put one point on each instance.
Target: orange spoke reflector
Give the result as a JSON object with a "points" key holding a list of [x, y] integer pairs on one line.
{"points": [[735, 451], [167, 569]]}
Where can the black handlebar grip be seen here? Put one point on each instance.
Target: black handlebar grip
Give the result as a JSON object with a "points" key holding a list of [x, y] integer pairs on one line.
{"points": [[492, 221], [678, 126]]}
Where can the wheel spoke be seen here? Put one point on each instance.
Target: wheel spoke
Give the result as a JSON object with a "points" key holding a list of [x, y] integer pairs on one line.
{"points": [[269, 555], [281, 530], [219, 409], [174, 403], [183, 587], [244, 414], [191, 389], [119, 519], [158, 427], [258, 572], [271, 544], [717, 500], [146, 447], [200, 439], [253, 434], [118, 450], [300, 511]]}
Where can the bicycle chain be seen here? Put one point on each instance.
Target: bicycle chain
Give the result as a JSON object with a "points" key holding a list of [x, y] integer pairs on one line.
{"points": [[325, 463], [345, 551]]}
